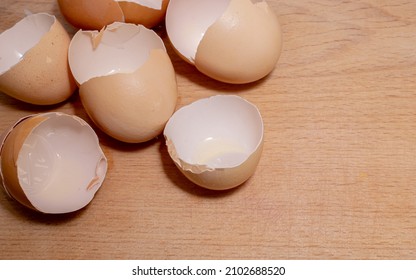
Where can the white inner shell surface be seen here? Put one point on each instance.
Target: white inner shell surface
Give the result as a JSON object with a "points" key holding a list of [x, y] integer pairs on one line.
{"points": [[218, 132], [23, 36], [123, 48], [154, 4], [187, 21], [60, 165]]}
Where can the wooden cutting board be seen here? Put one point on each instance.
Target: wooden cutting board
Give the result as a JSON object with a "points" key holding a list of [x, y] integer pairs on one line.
{"points": [[337, 179]]}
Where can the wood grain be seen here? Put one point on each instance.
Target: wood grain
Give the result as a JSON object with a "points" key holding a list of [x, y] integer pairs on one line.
{"points": [[337, 179]]}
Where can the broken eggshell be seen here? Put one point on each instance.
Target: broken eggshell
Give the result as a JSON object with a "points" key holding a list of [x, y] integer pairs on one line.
{"points": [[52, 162], [216, 142], [95, 14], [233, 41], [127, 80], [34, 61]]}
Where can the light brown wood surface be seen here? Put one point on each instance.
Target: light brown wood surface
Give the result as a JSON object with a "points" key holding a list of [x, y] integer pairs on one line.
{"points": [[337, 179]]}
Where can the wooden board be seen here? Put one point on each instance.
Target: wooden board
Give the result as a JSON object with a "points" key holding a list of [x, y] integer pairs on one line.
{"points": [[337, 179]]}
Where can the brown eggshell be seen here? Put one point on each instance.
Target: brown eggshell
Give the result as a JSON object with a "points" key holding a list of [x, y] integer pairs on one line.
{"points": [[127, 81], [220, 178], [133, 107], [140, 14], [42, 76], [9, 153], [95, 14], [233, 41], [216, 142], [90, 14], [51, 162], [243, 50]]}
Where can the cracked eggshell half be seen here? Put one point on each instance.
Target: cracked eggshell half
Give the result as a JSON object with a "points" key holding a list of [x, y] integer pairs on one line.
{"points": [[233, 41], [95, 14], [34, 61], [52, 163], [127, 80], [216, 142]]}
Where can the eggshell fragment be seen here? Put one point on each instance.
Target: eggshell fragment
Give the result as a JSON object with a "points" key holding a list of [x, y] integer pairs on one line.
{"points": [[233, 41], [127, 81], [52, 163], [95, 14], [34, 61], [216, 142], [149, 13]]}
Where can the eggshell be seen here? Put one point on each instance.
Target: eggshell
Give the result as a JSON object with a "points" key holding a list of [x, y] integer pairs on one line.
{"points": [[233, 41], [90, 14], [95, 14], [216, 142], [133, 107], [127, 81], [149, 13], [34, 55], [52, 163]]}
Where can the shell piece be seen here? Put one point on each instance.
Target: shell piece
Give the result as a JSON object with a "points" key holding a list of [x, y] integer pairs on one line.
{"points": [[52, 163], [233, 41], [90, 14], [127, 81], [133, 107], [257, 35], [216, 142], [145, 12], [187, 22], [95, 14], [34, 55]]}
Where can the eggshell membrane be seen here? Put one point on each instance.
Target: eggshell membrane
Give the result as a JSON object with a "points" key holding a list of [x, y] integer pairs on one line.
{"points": [[39, 74], [216, 142], [117, 48], [95, 14], [233, 41], [127, 81], [52, 163]]}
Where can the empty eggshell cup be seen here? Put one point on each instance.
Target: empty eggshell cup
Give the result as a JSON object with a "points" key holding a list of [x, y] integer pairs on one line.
{"points": [[95, 14], [34, 61], [51, 163], [233, 41], [127, 80], [216, 142]]}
